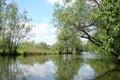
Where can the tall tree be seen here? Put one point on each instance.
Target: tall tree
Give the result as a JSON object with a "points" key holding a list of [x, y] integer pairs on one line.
{"points": [[96, 20], [69, 41], [17, 26], [2, 21], [14, 27]]}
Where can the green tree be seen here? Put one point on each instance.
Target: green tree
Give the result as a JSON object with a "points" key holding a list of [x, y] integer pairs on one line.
{"points": [[17, 30], [97, 21], [110, 15], [69, 41], [55, 46], [42, 45], [14, 27], [2, 21]]}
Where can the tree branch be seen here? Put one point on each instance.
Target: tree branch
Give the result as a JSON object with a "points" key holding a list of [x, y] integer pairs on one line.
{"points": [[92, 39], [98, 5]]}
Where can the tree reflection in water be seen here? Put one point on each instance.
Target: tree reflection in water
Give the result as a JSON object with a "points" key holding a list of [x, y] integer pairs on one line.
{"points": [[59, 67], [85, 73]]}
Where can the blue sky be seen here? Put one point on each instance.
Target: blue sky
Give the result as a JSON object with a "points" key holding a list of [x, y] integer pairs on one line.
{"points": [[37, 9], [41, 12]]}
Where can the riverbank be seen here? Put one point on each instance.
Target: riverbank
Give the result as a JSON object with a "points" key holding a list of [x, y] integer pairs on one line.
{"points": [[37, 54], [34, 52], [10, 54]]}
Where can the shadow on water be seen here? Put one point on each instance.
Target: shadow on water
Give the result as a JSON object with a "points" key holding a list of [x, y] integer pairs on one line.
{"points": [[113, 74], [86, 66]]}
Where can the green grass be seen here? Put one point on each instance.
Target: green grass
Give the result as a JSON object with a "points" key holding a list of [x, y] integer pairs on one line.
{"points": [[35, 51]]}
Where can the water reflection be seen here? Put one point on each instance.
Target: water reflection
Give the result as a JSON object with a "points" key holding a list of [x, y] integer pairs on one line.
{"points": [[65, 67], [85, 73], [36, 71], [86, 55]]}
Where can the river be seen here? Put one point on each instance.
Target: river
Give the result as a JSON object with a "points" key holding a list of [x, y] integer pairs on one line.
{"points": [[85, 66]]}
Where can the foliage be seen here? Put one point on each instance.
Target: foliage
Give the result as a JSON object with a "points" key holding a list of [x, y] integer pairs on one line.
{"points": [[90, 47], [41, 48], [68, 38], [69, 41], [96, 20], [42, 45], [14, 27]]}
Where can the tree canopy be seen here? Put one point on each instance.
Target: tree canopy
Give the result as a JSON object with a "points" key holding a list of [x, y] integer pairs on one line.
{"points": [[14, 27], [96, 20]]}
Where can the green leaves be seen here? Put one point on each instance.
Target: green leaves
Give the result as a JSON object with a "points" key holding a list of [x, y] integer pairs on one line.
{"points": [[112, 26], [14, 29], [103, 15]]}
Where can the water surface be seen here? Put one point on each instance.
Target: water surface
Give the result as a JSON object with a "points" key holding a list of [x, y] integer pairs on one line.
{"points": [[86, 66]]}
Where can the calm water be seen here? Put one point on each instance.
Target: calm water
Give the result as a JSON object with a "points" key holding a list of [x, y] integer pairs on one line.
{"points": [[86, 66]]}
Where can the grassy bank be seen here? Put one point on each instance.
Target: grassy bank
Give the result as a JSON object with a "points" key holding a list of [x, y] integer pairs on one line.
{"points": [[31, 52]]}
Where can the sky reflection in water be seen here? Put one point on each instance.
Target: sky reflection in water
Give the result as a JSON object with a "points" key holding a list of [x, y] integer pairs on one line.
{"points": [[67, 67], [38, 71], [47, 71], [85, 73]]}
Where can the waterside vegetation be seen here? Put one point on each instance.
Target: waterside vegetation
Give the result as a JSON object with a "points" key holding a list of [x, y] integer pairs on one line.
{"points": [[96, 21]]}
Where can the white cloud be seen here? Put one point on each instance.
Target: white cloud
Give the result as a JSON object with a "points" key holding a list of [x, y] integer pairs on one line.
{"points": [[44, 32], [40, 71], [85, 73], [55, 1], [61, 2], [52, 1]]}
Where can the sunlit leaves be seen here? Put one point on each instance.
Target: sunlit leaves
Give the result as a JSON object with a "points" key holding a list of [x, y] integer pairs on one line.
{"points": [[14, 29], [105, 16]]}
